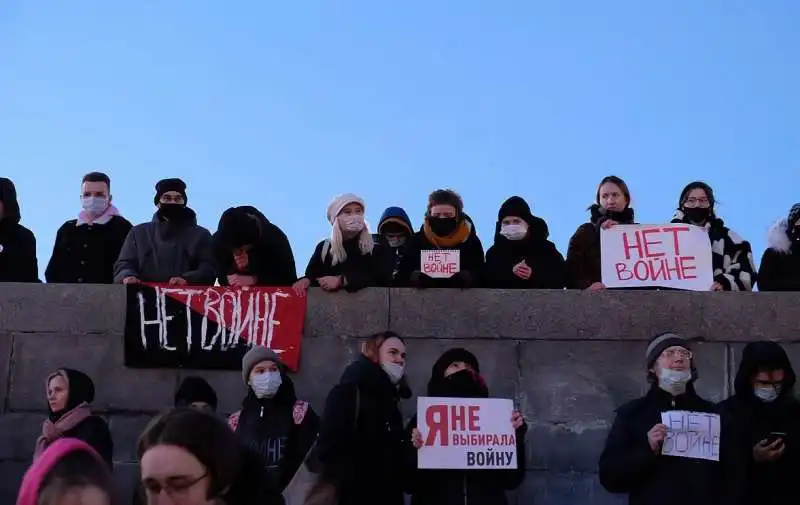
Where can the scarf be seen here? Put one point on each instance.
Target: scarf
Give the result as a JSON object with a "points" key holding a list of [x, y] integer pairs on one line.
{"points": [[52, 431], [86, 218], [460, 236]]}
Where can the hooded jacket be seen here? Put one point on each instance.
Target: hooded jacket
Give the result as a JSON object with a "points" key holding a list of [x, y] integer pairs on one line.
{"points": [[159, 250], [461, 487], [281, 429], [361, 443], [780, 264], [546, 263], [583, 253], [628, 464], [764, 483], [398, 216], [18, 261], [270, 259]]}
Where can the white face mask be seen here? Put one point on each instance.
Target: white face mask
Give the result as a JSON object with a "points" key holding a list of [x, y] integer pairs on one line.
{"points": [[395, 242], [266, 385], [674, 381], [514, 231], [394, 371], [767, 395], [352, 223], [94, 204]]}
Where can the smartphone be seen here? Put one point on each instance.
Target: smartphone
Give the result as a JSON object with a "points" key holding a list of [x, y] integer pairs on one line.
{"points": [[776, 435]]}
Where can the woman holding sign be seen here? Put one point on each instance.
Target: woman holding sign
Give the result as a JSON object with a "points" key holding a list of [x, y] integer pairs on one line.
{"points": [[456, 374], [611, 207]]}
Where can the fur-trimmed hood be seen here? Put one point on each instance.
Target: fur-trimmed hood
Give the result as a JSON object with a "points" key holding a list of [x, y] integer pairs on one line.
{"points": [[778, 237]]}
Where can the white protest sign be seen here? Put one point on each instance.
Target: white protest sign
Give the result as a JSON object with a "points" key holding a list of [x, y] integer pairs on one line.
{"points": [[466, 433], [440, 264], [670, 256], [693, 435]]}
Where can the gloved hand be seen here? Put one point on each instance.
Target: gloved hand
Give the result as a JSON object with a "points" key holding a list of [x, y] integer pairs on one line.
{"points": [[463, 279], [420, 280]]}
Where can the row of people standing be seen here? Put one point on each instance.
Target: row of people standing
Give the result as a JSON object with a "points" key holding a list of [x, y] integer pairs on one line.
{"points": [[101, 246]]}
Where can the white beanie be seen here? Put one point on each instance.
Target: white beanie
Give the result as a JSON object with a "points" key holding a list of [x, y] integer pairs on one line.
{"points": [[342, 201]]}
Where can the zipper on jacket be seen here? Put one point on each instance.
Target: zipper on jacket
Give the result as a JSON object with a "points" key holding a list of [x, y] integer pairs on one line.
{"points": [[466, 499], [262, 411]]}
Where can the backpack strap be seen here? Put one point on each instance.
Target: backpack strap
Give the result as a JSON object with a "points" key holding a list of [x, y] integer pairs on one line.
{"points": [[233, 420], [299, 411]]}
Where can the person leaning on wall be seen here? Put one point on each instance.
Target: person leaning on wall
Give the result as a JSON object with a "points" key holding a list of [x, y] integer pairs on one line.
{"points": [[612, 207]]}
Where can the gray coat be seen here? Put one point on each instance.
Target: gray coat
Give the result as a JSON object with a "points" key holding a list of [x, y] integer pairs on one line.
{"points": [[158, 250]]}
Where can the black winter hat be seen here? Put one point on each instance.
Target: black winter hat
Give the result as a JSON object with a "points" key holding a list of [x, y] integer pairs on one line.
{"points": [[794, 216], [237, 229], [451, 356], [166, 185], [195, 389], [660, 343], [515, 206]]}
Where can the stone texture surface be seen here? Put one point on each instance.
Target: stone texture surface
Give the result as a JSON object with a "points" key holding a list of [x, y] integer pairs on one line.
{"points": [[568, 359]]}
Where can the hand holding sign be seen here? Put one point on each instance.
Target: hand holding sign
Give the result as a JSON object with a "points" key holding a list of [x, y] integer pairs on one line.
{"points": [[656, 436], [517, 420], [416, 439], [608, 224]]}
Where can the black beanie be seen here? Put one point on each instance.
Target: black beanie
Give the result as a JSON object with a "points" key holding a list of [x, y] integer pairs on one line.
{"points": [[794, 216], [166, 185], [660, 343], [195, 389], [517, 207], [452, 356]]}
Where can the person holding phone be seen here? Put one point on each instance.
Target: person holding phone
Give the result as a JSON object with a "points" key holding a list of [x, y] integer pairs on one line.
{"points": [[766, 419]]}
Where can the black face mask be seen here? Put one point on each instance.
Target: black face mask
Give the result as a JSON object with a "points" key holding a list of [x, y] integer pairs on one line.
{"points": [[443, 226], [697, 214], [173, 211], [464, 384]]}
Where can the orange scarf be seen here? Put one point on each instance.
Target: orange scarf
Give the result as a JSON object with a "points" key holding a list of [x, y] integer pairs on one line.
{"points": [[458, 237]]}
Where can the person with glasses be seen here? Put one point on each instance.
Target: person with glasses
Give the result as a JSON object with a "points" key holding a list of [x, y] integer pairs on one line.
{"points": [[190, 457], [172, 248], [632, 461], [732, 256], [766, 414]]}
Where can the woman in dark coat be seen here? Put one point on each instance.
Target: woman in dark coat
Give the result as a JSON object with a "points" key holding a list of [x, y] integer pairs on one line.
{"points": [[780, 264], [611, 207], [522, 257], [361, 444], [456, 374], [69, 393]]}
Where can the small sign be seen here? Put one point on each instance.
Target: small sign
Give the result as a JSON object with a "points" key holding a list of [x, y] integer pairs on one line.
{"points": [[694, 435], [466, 434], [440, 264]]}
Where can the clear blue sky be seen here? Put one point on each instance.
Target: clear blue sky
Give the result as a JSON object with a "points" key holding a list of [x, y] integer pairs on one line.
{"points": [[284, 104]]}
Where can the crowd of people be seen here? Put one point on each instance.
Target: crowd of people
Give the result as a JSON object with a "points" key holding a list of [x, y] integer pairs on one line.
{"points": [[100, 246], [360, 447]]}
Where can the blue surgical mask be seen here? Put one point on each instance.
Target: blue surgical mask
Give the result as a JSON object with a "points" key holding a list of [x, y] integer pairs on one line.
{"points": [[767, 395], [95, 204], [266, 385], [674, 381]]}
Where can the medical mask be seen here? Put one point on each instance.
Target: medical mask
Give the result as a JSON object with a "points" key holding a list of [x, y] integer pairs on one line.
{"points": [[697, 214], [395, 242], [514, 231], [352, 223], [266, 385], [394, 371], [95, 204], [767, 395], [674, 381]]}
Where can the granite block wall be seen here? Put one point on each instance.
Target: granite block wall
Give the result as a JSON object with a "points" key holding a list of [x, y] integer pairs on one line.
{"points": [[568, 359]]}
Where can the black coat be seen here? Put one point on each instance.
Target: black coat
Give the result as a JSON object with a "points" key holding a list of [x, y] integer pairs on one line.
{"points": [[87, 253], [363, 452], [17, 244], [549, 270], [628, 464], [270, 260], [780, 264], [464, 487], [769, 483], [359, 270], [94, 431]]}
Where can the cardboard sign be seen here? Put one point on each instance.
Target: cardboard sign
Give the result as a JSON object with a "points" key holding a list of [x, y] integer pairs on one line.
{"points": [[466, 433], [440, 264], [693, 435], [210, 327], [670, 256]]}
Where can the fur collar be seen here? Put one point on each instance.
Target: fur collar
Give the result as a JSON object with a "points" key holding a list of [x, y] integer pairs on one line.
{"points": [[778, 238]]}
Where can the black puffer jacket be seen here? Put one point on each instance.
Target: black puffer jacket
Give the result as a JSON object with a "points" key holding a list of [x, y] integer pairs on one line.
{"points": [[17, 244], [780, 264], [764, 483], [363, 452], [628, 464]]}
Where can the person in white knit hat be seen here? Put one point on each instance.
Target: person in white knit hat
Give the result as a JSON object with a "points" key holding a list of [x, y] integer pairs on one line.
{"points": [[349, 258]]}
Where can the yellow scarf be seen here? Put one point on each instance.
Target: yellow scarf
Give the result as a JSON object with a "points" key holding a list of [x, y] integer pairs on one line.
{"points": [[458, 237]]}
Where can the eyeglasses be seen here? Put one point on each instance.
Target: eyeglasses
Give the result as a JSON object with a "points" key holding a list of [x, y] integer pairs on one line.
{"points": [[174, 486], [694, 202], [678, 353]]}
